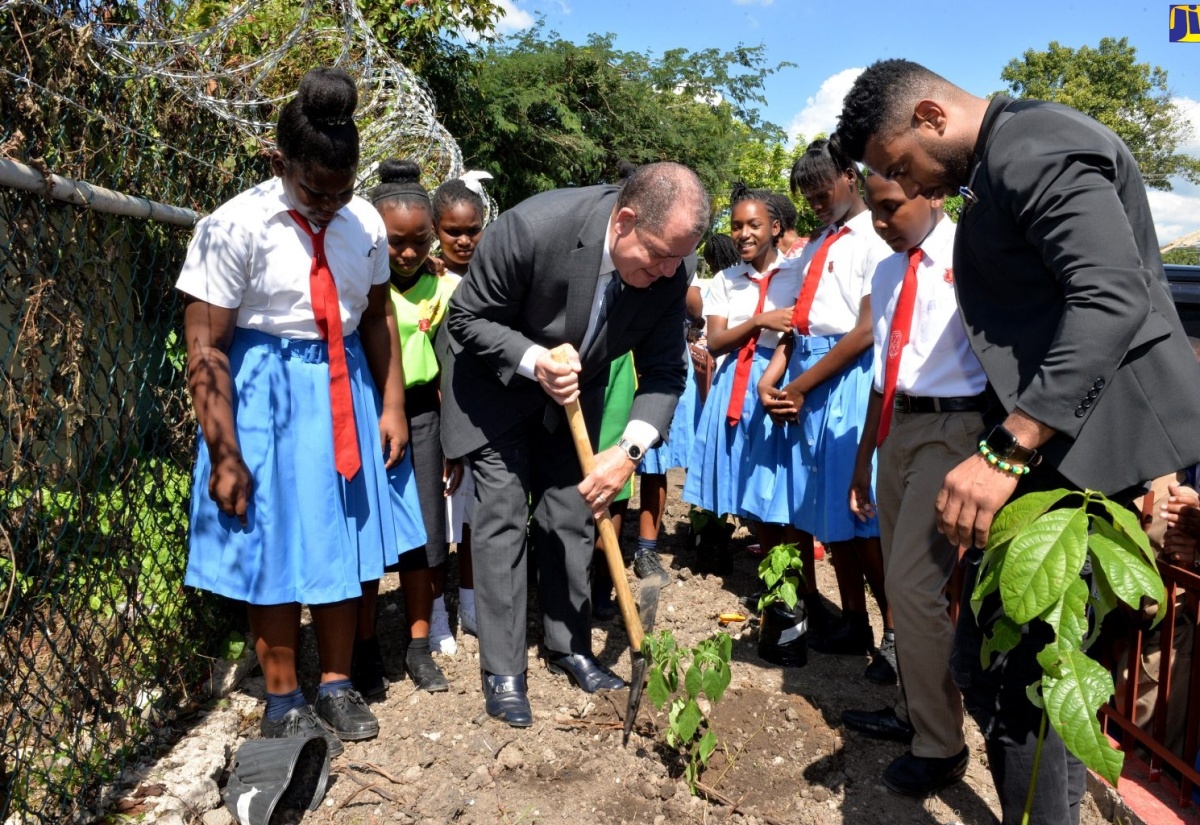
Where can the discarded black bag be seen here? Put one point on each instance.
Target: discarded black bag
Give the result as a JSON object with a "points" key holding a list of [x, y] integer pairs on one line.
{"points": [[288, 774]]}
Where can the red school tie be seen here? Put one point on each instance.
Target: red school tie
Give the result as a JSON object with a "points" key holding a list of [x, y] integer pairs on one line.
{"points": [[745, 357], [897, 339], [812, 279], [328, 314]]}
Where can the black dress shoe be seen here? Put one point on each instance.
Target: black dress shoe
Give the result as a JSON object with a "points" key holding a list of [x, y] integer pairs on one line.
{"points": [[505, 699], [585, 672], [922, 776], [878, 724], [301, 722], [347, 715], [422, 669]]}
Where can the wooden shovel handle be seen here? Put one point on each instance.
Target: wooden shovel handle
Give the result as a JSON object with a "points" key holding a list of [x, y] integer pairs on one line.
{"points": [[608, 535]]}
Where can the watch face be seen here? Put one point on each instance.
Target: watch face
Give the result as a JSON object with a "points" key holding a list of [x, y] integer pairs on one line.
{"points": [[1001, 442], [635, 452]]}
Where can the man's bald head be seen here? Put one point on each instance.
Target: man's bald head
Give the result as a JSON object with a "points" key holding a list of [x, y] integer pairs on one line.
{"points": [[659, 191]]}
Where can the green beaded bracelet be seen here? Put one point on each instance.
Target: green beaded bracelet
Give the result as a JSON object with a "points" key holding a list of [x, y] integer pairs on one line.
{"points": [[999, 463]]}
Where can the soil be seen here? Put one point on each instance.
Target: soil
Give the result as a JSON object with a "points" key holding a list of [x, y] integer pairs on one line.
{"points": [[782, 757]]}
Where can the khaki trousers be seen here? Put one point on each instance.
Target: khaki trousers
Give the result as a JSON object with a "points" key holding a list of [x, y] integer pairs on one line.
{"points": [[918, 562]]}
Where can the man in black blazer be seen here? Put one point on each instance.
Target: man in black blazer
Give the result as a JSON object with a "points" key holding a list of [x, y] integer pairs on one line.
{"points": [[1066, 305], [601, 270]]}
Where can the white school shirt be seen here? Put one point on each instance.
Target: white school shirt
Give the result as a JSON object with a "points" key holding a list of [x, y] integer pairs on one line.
{"points": [[937, 360], [250, 255], [847, 276], [733, 296]]}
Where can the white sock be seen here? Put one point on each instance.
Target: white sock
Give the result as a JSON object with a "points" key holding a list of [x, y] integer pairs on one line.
{"points": [[440, 637], [466, 599]]}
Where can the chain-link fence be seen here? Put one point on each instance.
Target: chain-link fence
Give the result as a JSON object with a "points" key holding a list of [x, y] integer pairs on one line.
{"points": [[101, 648]]}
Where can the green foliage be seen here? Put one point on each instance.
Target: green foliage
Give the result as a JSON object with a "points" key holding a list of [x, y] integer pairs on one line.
{"points": [[705, 669], [1186, 256], [782, 571], [543, 113], [1034, 556], [1108, 83]]}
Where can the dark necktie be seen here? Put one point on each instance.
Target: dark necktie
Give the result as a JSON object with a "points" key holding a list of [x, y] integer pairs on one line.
{"points": [[612, 291]]}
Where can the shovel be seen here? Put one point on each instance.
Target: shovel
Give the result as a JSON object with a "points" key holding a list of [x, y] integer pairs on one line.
{"points": [[635, 618]]}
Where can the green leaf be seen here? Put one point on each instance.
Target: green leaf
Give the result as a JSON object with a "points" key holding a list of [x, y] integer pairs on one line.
{"points": [[1129, 525], [1069, 617], [1034, 692], [656, 688], [1072, 701], [1125, 572], [693, 682], [988, 579], [688, 720], [788, 593], [1041, 561], [1019, 513], [233, 647], [716, 681], [1004, 637], [708, 744]]}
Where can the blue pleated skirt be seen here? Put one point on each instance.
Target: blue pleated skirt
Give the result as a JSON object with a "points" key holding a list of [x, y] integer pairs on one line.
{"points": [[718, 466], [311, 536], [675, 451], [823, 444]]}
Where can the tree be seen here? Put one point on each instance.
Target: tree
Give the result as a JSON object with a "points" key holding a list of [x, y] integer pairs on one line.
{"points": [[1129, 97], [1188, 256], [546, 113]]}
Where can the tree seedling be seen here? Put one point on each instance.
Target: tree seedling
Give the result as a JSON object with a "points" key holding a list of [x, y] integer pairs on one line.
{"points": [[706, 671]]}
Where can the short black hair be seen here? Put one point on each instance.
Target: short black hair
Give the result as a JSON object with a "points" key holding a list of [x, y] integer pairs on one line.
{"points": [[877, 101], [453, 192], [316, 127], [654, 191], [400, 185], [822, 162], [720, 252], [788, 214], [741, 192]]}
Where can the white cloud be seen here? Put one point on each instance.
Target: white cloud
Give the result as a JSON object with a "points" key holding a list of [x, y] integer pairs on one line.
{"points": [[1176, 213], [821, 111], [512, 19], [1190, 109]]}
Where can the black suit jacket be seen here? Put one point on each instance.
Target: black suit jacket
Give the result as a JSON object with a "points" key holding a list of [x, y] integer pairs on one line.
{"points": [[532, 281], [1065, 300]]}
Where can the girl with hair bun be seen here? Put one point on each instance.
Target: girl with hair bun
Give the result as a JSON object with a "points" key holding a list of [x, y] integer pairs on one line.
{"points": [[303, 491], [419, 299], [749, 305]]}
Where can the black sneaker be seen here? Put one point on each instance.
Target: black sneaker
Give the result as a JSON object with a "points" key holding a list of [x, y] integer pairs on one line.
{"points": [[882, 669], [347, 715], [366, 669], [299, 722], [424, 671], [648, 567]]}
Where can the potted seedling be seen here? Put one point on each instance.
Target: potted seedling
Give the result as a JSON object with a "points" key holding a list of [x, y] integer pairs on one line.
{"points": [[783, 631]]}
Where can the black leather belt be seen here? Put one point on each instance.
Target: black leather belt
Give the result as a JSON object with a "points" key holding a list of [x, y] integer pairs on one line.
{"points": [[932, 404]]}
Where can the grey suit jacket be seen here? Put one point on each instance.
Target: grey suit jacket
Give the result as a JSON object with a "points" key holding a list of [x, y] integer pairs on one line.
{"points": [[1065, 301], [532, 281]]}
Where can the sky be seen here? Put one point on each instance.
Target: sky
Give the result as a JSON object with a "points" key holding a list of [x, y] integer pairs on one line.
{"points": [[967, 41]]}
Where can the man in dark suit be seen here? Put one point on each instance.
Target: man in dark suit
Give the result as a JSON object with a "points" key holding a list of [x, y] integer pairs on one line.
{"points": [[1066, 305], [600, 270]]}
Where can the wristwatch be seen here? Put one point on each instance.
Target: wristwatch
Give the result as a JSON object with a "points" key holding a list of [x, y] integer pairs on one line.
{"points": [[1006, 447], [634, 451]]}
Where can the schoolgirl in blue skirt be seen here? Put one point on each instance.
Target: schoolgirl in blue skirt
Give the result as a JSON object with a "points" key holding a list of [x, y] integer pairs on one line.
{"points": [[824, 369], [748, 306], [302, 490]]}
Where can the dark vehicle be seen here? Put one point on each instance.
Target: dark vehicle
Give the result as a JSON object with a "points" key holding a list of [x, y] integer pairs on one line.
{"points": [[1185, 291]]}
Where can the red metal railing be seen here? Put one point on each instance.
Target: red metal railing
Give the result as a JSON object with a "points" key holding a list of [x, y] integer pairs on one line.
{"points": [[1178, 582]]}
